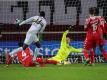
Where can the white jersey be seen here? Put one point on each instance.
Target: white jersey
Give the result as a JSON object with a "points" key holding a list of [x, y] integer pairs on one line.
{"points": [[38, 24]]}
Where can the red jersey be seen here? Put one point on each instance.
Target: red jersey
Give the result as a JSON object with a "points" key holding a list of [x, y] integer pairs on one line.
{"points": [[25, 57], [95, 30], [94, 25]]}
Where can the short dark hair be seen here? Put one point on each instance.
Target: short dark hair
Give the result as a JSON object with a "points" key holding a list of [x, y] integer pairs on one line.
{"points": [[42, 13], [94, 11]]}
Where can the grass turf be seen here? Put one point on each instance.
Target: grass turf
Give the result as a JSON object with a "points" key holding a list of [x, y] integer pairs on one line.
{"points": [[53, 72]]}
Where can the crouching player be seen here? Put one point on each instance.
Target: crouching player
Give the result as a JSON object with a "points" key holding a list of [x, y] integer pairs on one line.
{"points": [[63, 52], [25, 57]]}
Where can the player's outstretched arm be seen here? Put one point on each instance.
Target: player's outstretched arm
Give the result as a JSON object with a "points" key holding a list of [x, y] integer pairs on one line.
{"points": [[26, 21], [64, 36], [79, 50]]}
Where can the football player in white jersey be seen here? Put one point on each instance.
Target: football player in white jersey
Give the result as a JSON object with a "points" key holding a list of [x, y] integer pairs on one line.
{"points": [[38, 25]]}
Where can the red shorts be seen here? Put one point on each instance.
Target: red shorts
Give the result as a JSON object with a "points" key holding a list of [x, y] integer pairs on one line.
{"points": [[92, 40]]}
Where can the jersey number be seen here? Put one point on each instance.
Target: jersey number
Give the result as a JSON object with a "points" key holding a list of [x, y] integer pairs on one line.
{"points": [[38, 22], [94, 26], [23, 54]]}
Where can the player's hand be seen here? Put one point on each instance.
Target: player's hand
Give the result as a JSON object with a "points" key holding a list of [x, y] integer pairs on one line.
{"points": [[67, 31], [70, 28]]}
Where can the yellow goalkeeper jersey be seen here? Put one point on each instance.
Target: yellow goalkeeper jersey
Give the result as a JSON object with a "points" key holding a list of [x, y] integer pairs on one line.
{"points": [[64, 50]]}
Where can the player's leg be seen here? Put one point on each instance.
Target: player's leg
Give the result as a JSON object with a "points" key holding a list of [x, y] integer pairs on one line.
{"points": [[42, 61], [15, 51], [101, 43], [28, 41], [86, 55], [8, 59], [48, 61], [18, 49], [86, 51], [103, 52], [88, 45], [92, 57], [37, 44], [54, 60]]}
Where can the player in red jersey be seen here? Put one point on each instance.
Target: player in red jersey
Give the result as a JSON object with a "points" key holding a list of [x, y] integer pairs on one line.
{"points": [[94, 25], [25, 57]]}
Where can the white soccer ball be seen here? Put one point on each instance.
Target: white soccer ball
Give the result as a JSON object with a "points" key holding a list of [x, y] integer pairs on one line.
{"points": [[17, 21]]}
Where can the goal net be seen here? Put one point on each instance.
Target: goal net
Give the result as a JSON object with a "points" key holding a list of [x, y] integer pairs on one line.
{"points": [[60, 14]]}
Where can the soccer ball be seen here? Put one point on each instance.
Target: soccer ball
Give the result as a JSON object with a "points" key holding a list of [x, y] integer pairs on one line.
{"points": [[17, 21]]}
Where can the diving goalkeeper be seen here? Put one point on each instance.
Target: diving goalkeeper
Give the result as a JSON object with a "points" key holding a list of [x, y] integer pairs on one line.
{"points": [[63, 52]]}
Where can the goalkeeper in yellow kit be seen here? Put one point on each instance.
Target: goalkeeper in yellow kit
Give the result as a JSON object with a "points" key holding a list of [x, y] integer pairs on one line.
{"points": [[63, 52]]}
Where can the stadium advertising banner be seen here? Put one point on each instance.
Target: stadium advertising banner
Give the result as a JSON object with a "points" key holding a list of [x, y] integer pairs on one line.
{"points": [[48, 47]]}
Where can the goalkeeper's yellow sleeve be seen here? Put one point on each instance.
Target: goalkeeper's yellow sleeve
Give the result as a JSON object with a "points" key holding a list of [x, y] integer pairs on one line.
{"points": [[72, 49], [63, 41]]}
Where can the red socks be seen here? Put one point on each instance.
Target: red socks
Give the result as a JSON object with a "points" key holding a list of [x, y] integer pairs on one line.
{"points": [[50, 61], [86, 54], [92, 57], [42, 61], [9, 60]]}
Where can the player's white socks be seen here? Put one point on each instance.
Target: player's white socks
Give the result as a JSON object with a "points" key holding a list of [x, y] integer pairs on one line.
{"points": [[15, 51]]}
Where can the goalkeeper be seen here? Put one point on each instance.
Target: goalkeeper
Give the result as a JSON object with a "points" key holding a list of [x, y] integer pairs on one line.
{"points": [[63, 52]]}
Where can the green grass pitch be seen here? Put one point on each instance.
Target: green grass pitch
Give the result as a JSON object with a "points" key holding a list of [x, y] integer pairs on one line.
{"points": [[54, 72]]}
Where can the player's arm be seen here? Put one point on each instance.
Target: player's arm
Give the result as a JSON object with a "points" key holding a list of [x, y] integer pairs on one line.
{"points": [[64, 37], [42, 28], [102, 23], [86, 24], [26, 21], [79, 50]]}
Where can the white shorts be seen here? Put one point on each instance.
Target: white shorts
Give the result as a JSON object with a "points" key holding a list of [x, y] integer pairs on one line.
{"points": [[30, 38]]}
